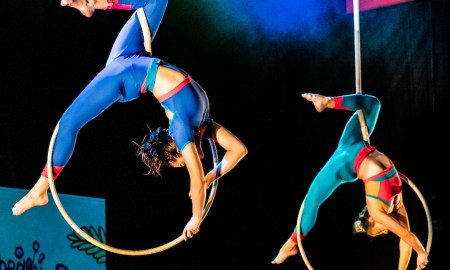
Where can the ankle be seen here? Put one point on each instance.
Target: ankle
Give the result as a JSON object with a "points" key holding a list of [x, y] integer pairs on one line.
{"points": [[294, 237]]}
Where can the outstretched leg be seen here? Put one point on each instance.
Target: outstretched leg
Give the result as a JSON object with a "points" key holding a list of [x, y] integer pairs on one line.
{"points": [[104, 90], [290, 248], [37, 196]]}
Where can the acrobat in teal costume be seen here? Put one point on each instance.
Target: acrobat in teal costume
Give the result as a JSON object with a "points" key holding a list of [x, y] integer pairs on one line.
{"points": [[343, 165]]}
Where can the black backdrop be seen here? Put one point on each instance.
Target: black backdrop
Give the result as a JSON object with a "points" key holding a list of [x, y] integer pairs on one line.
{"points": [[51, 53]]}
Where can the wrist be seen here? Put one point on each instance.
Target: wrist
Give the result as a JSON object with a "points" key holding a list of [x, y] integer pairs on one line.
{"points": [[197, 218]]}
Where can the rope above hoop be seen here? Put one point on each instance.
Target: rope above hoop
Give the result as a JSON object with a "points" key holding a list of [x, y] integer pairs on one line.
{"points": [[107, 247]]}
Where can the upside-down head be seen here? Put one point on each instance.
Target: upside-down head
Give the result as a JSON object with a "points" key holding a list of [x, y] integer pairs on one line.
{"points": [[157, 149], [364, 223], [361, 223]]}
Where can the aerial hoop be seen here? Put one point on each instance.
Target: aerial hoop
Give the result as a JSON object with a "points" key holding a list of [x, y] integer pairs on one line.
{"points": [[425, 207], [299, 241], [413, 187], [95, 242]]}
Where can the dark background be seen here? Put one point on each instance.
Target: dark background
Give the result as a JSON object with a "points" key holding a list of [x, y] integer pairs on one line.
{"points": [[254, 59]]}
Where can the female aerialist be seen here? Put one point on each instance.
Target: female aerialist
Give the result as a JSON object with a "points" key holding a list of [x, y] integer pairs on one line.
{"points": [[129, 73], [355, 159]]}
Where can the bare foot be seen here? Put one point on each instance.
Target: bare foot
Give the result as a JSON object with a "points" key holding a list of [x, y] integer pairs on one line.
{"points": [[37, 196], [289, 249], [87, 8], [320, 102]]}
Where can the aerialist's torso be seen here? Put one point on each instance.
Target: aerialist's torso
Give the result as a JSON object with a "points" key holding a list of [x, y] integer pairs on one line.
{"points": [[362, 161], [381, 179]]}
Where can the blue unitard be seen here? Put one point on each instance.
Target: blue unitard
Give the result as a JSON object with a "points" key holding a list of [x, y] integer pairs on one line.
{"points": [[121, 80], [188, 103], [343, 165]]}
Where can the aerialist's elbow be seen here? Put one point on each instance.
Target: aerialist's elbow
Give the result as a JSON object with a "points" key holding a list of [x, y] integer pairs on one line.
{"points": [[241, 150]]}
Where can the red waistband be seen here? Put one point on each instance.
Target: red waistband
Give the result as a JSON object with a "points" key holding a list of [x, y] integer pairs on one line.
{"points": [[361, 155], [177, 89]]}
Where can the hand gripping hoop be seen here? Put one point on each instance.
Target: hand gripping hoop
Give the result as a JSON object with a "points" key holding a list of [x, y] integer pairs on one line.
{"points": [[102, 245]]}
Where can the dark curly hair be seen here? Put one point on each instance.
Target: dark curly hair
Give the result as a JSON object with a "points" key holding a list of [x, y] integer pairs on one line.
{"points": [[361, 223], [156, 150]]}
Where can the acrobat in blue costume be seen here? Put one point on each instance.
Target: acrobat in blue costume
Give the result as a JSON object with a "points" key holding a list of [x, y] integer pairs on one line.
{"points": [[130, 71], [343, 165]]}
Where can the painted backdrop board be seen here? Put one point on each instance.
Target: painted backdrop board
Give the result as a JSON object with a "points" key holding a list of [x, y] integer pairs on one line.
{"points": [[41, 237]]}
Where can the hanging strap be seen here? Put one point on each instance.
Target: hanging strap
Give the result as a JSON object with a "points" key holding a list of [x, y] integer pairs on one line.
{"points": [[362, 121], [145, 30]]}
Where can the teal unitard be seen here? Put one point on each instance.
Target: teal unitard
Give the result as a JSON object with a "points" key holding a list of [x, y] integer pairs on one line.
{"points": [[341, 167]]}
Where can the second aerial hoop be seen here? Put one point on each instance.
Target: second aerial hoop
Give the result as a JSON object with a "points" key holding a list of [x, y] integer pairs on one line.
{"points": [[411, 185]]}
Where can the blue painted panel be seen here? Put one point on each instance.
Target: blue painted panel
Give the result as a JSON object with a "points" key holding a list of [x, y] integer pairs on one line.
{"points": [[42, 237]]}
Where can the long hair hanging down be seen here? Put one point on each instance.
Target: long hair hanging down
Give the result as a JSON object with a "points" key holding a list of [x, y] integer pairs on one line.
{"points": [[156, 150]]}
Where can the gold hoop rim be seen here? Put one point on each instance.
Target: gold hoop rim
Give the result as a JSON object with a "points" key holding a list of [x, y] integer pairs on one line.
{"points": [[107, 247]]}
